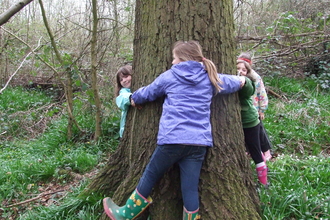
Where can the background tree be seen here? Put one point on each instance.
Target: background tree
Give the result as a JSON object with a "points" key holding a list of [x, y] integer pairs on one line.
{"points": [[227, 189], [68, 89], [94, 72]]}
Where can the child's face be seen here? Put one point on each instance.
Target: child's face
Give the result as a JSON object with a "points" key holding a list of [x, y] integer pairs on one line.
{"points": [[125, 81], [242, 69], [176, 60]]}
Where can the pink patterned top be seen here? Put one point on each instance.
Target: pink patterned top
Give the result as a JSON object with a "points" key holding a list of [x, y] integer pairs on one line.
{"points": [[260, 98]]}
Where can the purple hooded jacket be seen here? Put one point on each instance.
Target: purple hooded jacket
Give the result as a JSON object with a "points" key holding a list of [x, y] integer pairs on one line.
{"points": [[186, 109]]}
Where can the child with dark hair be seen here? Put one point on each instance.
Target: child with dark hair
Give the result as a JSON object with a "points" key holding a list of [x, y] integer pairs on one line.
{"points": [[123, 92]]}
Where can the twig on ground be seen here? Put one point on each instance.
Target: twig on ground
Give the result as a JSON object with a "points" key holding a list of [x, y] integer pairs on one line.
{"points": [[271, 92], [33, 199]]}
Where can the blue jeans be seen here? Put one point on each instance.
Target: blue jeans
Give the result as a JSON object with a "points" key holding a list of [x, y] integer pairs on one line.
{"points": [[189, 158]]}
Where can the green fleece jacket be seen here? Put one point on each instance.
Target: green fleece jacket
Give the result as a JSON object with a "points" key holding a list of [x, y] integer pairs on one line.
{"points": [[249, 113]]}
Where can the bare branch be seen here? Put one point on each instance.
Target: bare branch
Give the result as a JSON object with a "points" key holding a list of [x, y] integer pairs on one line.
{"points": [[284, 48], [10, 78], [34, 51], [35, 198], [270, 37], [4, 17]]}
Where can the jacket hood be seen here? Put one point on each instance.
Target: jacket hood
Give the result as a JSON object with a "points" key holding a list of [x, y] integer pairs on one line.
{"points": [[189, 72]]}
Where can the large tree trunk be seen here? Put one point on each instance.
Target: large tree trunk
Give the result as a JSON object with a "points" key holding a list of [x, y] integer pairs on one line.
{"points": [[227, 190]]}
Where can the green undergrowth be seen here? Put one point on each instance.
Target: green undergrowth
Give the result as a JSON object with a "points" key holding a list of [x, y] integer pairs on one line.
{"points": [[299, 188], [48, 158], [299, 121]]}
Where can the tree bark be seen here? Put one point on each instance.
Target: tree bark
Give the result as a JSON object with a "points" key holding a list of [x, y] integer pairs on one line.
{"points": [[4, 17], [227, 190]]}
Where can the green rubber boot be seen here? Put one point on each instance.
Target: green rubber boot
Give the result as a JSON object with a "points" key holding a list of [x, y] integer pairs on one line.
{"points": [[190, 215], [134, 206]]}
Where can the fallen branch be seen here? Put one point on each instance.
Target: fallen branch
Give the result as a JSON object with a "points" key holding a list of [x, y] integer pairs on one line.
{"points": [[271, 92], [33, 199]]}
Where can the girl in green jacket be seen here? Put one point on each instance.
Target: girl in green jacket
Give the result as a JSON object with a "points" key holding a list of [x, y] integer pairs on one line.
{"points": [[260, 102], [250, 121]]}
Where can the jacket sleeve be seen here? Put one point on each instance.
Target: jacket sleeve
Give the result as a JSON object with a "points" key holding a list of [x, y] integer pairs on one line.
{"points": [[248, 89], [150, 92], [230, 83], [122, 100]]}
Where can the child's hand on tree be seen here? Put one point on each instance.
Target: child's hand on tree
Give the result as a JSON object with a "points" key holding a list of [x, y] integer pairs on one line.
{"points": [[134, 105]]}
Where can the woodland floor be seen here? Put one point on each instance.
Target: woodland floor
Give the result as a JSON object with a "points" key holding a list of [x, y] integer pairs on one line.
{"points": [[50, 194]]}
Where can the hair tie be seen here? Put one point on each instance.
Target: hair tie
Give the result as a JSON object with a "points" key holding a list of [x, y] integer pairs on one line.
{"points": [[246, 60], [203, 59]]}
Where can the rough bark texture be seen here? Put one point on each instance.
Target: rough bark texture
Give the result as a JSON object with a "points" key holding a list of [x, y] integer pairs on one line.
{"points": [[227, 189]]}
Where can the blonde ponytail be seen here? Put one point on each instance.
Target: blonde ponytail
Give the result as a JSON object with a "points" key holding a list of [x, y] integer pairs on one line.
{"points": [[213, 74]]}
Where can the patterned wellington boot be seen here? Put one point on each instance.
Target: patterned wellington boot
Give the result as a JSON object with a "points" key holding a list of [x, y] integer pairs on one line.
{"points": [[190, 215], [134, 206], [262, 174]]}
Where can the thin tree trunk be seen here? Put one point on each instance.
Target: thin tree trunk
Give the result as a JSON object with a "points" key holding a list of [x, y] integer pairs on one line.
{"points": [[115, 28], [68, 89], [94, 73], [3, 74]]}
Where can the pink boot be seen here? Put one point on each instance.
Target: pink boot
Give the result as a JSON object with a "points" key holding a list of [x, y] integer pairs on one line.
{"points": [[262, 174]]}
